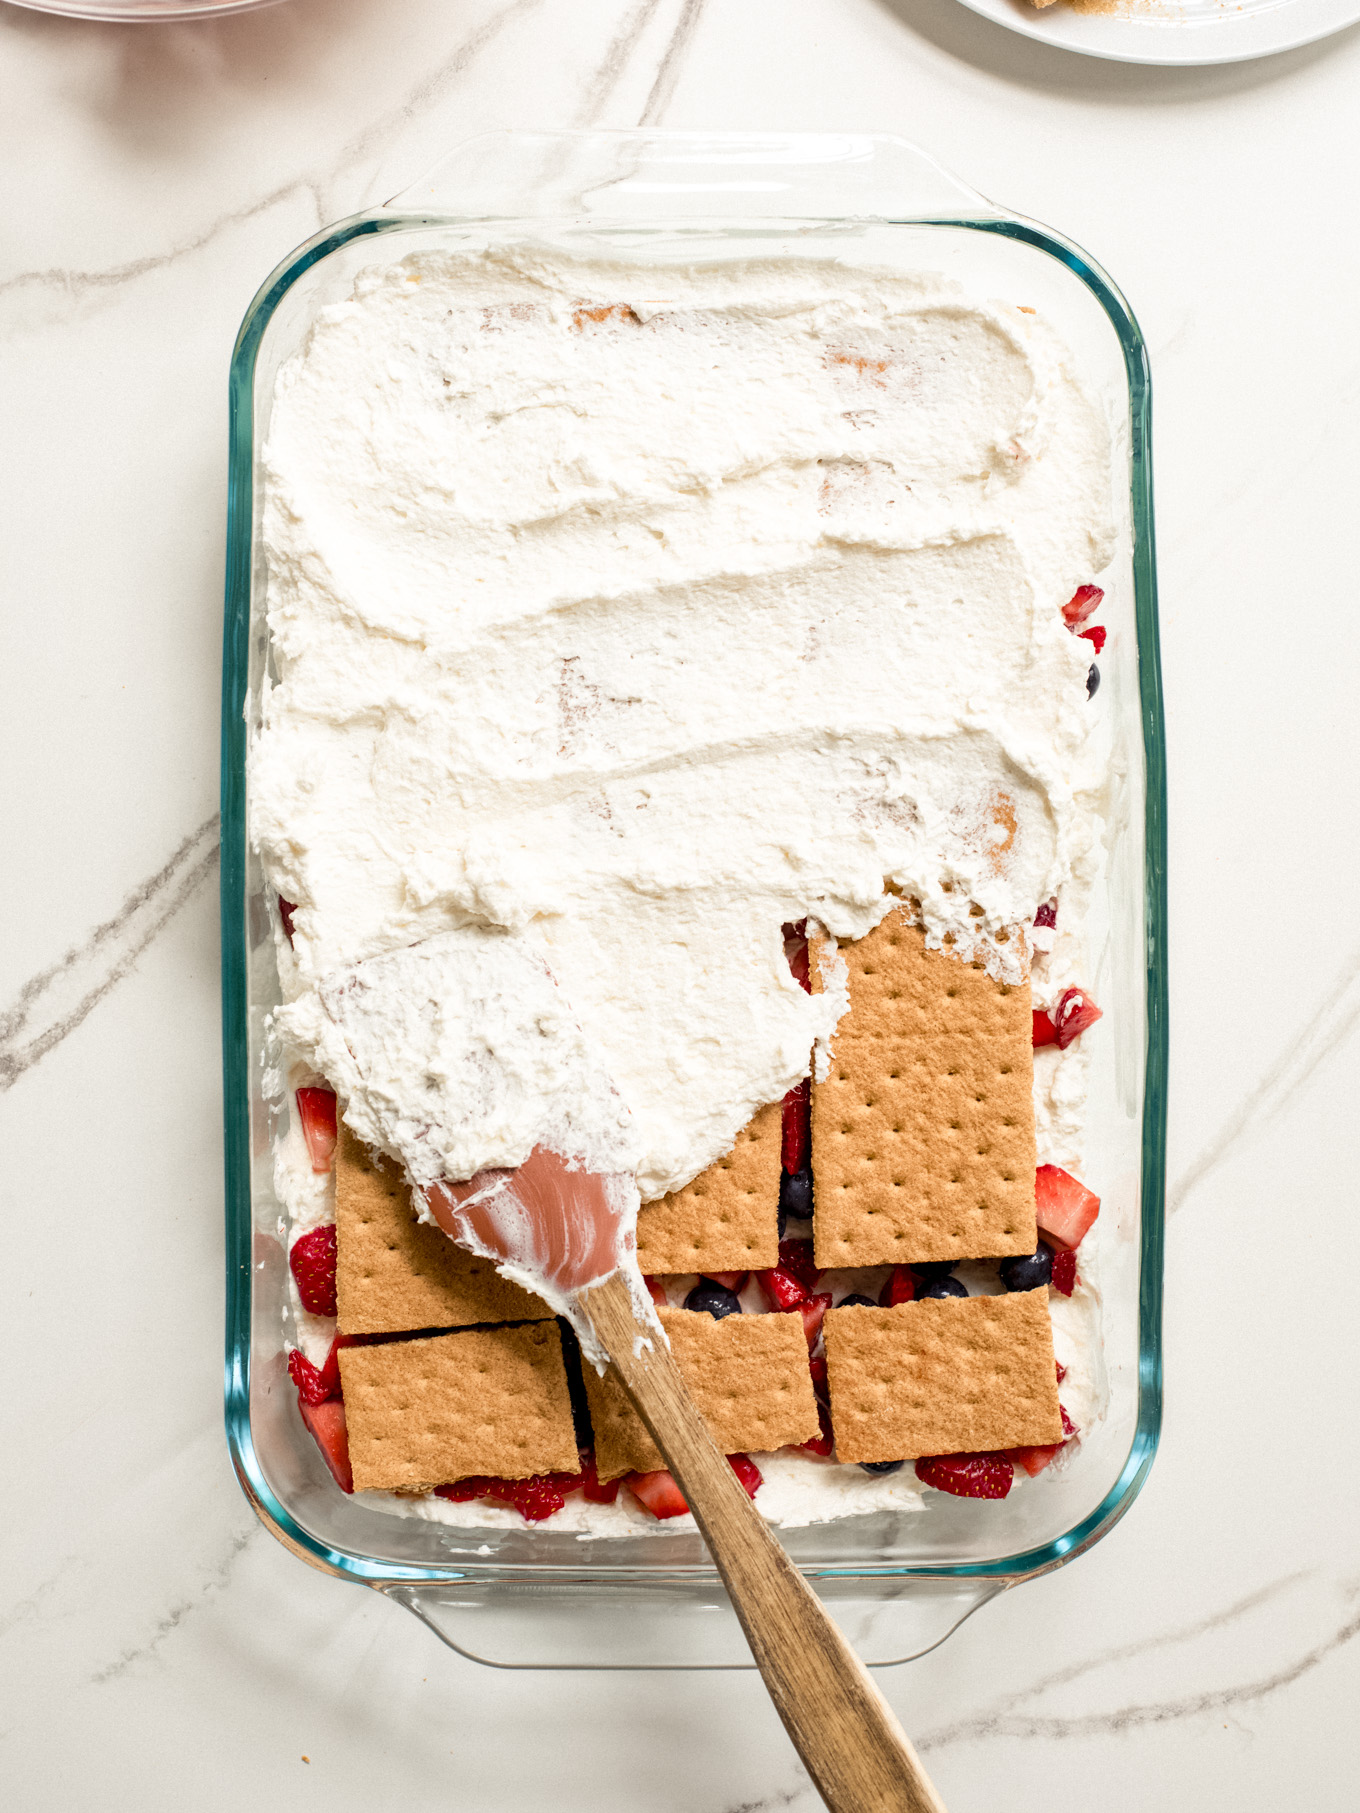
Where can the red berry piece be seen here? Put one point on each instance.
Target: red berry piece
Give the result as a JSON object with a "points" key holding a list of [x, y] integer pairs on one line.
{"points": [[1060, 1370], [822, 1444], [316, 1109], [656, 1290], [537, 1497], [1073, 1014], [795, 1257], [1047, 914], [900, 1288], [798, 963], [598, 1491], [1081, 604], [1095, 635], [1045, 1033], [1064, 1207], [782, 1290], [463, 1491], [327, 1424], [313, 1263], [312, 1387], [1034, 1460], [1064, 1277], [812, 1310], [797, 1126], [657, 1492], [286, 911], [967, 1475], [1069, 1427], [732, 1281], [817, 1367], [747, 1472]]}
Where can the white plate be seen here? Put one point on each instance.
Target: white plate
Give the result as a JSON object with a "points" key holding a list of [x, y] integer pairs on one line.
{"points": [[1177, 31]]}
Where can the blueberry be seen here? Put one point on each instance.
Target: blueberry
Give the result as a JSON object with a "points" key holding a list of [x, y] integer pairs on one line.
{"points": [[945, 1287], [716, 1299], [1092, 681], [1028, 1273], [795, 1197], [856, 1300], [881, 1466], [932, 1269]]}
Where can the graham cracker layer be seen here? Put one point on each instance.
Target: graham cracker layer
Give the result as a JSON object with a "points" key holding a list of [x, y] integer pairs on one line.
{"points": [[727, 1219], [395, 1273], [923, 1129], [748, 1375], [485, 1400], [954, 1375]]}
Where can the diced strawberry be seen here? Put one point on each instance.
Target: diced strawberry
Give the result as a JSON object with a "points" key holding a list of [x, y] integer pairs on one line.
{"points": [[1045, 1033], [537, 1497], [1047, 914], [798, 963], [598, 1491], [733, 1281], [900, 1288], [1073, 1014], [1080, 605], [797, 1126], [824, 1442], [812, 1312], [782, 1290], [316, 1108], [1095, 635], [313, 1263], [1060, 1370], [747, 1472], [463, 1491], [657, 1492], [311, 1387], [795, 1257], [1034, 1460], [1065, 1208], [817, 1367], [657, 1290], [1069, 1427], [327, 1424], [286, 911], [1064, 1278], [967, 1475]]}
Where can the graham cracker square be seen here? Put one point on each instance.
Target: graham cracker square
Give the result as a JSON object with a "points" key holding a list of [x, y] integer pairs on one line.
{"points": [[485, 1400], [957, 1375], [923, 1128], [727, 1219], [748, 1375], [395, 1273]]}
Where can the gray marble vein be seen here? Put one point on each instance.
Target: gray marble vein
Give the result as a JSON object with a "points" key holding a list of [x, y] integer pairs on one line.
{"points": [[1326, 1030], [53, 1003], [615, 62], [176, 1614], [668, 71]]}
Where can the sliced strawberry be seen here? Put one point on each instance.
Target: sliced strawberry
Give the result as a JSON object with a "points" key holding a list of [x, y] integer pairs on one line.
{"points": [[782, 1290], [311, 1386], [327, 1424], [1095, 635], [967, 1475], [1080, 605], [824, 1442], [1073, 1014], [537, 1497], [1045, 1033], [286, 911], [1064, 1277], [812, 1311], [747, 1472], [817, 1367], [598, 1491], [798, 963], [1065, 1208], [463, 1491], [657, 1492], [1047, 914], [795, 1257], [1060, 1370], [657, 1290], [316, 1108], [900, 1288], [1034, 1460], [797, 1126], [313, 1263], [733, 1281]]}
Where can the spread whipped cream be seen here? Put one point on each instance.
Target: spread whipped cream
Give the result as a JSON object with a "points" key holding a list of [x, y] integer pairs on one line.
{"points": [[621, 615]]}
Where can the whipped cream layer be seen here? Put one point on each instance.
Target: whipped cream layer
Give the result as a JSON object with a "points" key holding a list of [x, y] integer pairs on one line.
{"points": [[628, 613]]}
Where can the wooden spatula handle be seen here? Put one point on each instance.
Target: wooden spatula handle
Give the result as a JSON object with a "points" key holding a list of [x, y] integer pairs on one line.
{"points": [[846, 1733]]}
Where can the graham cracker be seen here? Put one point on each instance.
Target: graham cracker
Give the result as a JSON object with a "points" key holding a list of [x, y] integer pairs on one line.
{"points": [[748, 1375], [395, 1273], [953, 1375], [485, 1400], [923, 1128], [727, 1219]]}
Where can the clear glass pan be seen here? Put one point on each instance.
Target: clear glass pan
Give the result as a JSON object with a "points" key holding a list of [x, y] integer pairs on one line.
{"points": [[532, 1597]]}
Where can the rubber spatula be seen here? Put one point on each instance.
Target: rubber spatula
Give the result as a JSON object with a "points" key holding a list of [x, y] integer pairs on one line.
{"points": [[848, 1737]]}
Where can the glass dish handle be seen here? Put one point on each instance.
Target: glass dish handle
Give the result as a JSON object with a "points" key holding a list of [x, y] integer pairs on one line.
{"points": [[671, 176], [671, 1625]]}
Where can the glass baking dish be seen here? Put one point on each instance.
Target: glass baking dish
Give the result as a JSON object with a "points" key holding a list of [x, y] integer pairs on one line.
{"points": [[898, 1583]]}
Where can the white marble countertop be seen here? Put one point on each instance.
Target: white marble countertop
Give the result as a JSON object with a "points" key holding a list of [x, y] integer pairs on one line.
{"points": [[157, 1648]]}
